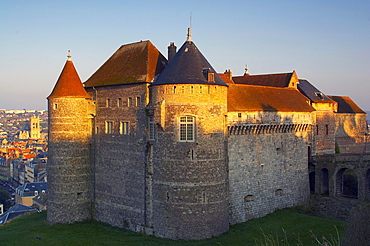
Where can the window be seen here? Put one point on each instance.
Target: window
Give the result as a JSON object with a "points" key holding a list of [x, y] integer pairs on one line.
{"points": [[151, 127], [211, 77], [138, 104], [186, 128], [326, 130], [107, 102], [55, 106], [129, 102], [123, 128], [317, 129], [109, 127], [119, 103]]}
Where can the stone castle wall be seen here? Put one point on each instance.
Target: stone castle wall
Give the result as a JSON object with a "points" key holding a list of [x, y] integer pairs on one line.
{"points": [[350, 132], [119, 155], [268, 164]]}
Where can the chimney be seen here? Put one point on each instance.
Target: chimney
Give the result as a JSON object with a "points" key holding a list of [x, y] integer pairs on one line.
{"points": [[171, 51], [229, 74]]}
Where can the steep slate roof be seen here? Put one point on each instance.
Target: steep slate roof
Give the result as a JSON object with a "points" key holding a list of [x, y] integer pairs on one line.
{"points": [[311, 92], [346, 105], [136, 62], [69, 83], [188, 66], [263, 98], [274, 80]]}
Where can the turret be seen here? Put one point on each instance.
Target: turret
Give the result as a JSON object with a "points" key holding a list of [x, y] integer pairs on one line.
{"points": [[69, 172], [186, 116]]}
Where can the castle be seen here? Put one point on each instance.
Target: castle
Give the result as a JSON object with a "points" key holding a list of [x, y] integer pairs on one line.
{"points": [[170, 147]]}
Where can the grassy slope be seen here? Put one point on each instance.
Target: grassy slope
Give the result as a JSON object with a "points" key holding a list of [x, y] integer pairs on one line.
{"points": [[33, 230]]}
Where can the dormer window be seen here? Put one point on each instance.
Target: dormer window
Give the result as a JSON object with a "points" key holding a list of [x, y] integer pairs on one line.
{"points": [[320, 95], [211, 77]]}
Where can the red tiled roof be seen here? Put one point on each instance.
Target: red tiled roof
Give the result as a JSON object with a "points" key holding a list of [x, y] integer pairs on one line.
{"points": [[346, 105], [263, 98], [136, 62], [274, 80], [226, 78], [69, 83]]}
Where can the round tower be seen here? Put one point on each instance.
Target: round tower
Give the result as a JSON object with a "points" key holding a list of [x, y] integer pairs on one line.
{"points": [[69, 169], [186, 117]]}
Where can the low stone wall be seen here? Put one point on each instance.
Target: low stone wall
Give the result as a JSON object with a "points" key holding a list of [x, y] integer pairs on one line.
{"points": [[333, 207]]}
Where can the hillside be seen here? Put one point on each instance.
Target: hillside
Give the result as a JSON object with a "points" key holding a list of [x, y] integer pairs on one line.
{"points": [[287, 224]]}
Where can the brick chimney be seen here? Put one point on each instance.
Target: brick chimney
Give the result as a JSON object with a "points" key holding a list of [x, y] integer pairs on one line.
{"points": [[171, 51]]}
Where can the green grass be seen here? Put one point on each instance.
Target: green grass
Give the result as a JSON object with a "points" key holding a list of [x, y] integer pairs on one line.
{"points": [[32, 229]]}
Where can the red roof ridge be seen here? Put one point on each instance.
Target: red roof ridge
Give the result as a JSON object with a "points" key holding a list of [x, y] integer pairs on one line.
{"points": [[69, 83]]}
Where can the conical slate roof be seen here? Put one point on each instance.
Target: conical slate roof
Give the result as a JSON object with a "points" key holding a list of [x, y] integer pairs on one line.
{"points": [[188, 66], [69, 83]]}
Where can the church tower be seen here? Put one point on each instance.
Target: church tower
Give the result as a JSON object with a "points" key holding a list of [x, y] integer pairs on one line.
{"points": [[69, 170], [187, 156]]}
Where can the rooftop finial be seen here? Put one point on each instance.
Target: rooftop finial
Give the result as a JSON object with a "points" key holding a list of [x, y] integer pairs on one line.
{"points": [[246, 69], [69, 56], [189, 35], [189, 31]]}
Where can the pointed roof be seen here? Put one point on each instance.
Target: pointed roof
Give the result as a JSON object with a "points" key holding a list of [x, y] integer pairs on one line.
{"points": [[131, 63], [188, 66], [265, 98], [274, 80], [346, 105], [69, 83]]}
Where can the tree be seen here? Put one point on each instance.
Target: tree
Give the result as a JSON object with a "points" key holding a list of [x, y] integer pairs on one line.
{"points": [[5, 199]]}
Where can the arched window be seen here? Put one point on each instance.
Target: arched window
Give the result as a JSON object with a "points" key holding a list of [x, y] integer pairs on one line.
{"points": [[186, 129]]}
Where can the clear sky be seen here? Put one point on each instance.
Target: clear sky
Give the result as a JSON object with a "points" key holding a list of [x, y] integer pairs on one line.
{"points": [[326, 42]]}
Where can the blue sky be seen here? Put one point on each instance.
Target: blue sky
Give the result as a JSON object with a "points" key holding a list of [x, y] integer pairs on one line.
{"points": [[326, 42]]}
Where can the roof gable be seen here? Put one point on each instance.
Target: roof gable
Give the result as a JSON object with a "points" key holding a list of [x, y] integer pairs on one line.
{"points": [[263, 98], [69, 83], [136, 62], [189, 66]]}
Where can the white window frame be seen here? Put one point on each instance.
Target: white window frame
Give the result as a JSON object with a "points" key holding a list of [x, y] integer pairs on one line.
{"points": [[124, 127], [109, 127], [186, 128]]}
